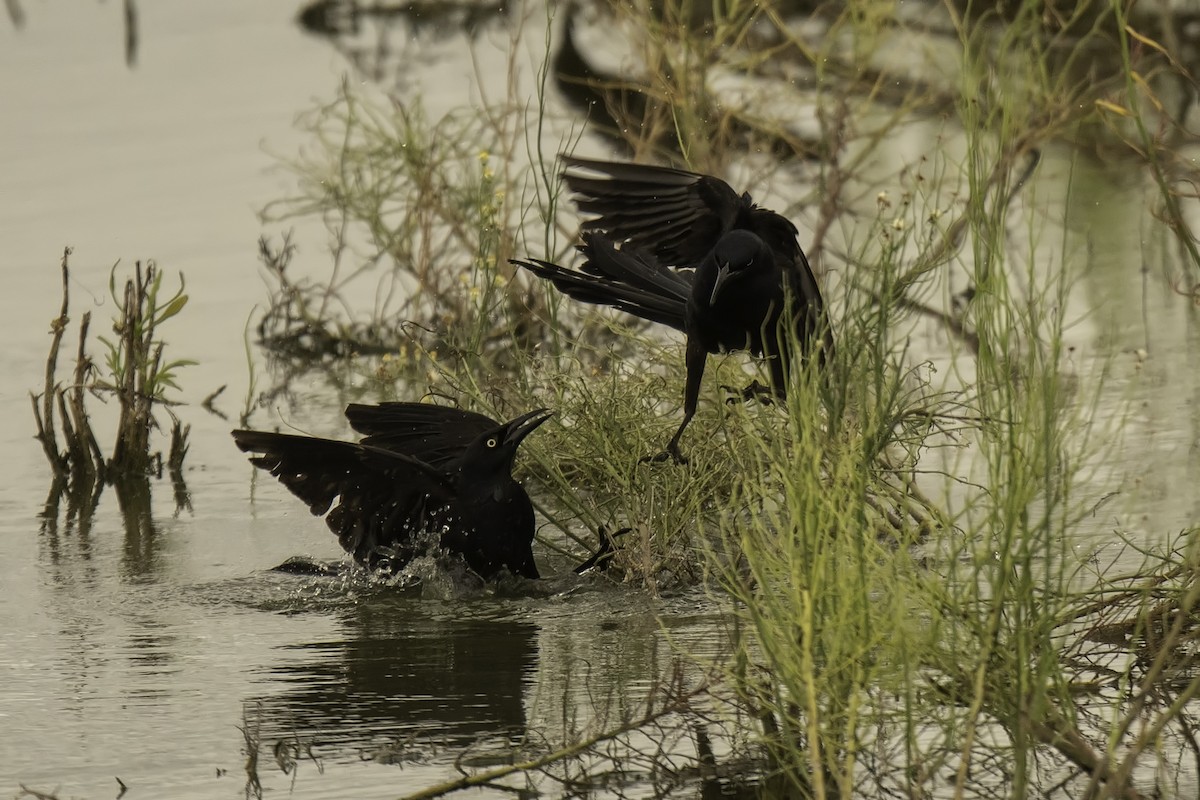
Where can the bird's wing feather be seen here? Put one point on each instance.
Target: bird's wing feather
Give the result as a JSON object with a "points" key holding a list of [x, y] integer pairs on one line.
{"points": [[382, 496], [623, 281], [633, 267], [675, 214]]}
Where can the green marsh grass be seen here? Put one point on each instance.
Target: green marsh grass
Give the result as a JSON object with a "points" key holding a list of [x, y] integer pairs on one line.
{"points": [[937, 660], [136, 373]]}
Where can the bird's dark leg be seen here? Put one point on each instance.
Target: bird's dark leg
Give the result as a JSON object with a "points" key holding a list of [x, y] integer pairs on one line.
{"points": [[672, 449], [695, 359]]}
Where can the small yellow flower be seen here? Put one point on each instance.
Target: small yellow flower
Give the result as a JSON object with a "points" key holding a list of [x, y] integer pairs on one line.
{"points": [[484, 155]]}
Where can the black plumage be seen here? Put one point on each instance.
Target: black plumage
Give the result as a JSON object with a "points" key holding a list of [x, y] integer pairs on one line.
{"points": [[685, 250], [423, 474]]}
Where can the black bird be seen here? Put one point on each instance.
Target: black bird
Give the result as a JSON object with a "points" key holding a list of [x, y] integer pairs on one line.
{"points": [[698, 257], [421, 470]]}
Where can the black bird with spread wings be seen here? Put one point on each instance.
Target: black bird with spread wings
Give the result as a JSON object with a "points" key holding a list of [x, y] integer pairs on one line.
{"points": [[685, 250], [420, 470]]}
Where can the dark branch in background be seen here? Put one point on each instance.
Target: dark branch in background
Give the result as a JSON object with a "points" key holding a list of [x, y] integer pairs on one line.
{"points": [[131, 34], [636, 114], [334, 19], [16, 15]]}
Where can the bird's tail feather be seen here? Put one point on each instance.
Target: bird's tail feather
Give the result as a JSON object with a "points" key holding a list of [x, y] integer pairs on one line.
{"points": [[605, 291]]}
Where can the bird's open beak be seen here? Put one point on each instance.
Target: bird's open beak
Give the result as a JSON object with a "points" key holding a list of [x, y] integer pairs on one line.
{"points": [[525, 424], [723, 274]]}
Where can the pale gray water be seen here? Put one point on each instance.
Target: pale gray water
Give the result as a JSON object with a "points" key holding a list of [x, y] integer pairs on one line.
{"points": [[139, 656]]}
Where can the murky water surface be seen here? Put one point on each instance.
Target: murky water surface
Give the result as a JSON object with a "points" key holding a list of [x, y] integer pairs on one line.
{"points": [[149, 655]]}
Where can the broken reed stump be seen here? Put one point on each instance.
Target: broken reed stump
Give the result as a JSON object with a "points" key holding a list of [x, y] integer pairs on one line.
{"points": [[138, 378]]}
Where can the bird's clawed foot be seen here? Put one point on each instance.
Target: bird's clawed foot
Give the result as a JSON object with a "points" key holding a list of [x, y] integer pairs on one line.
{"points": [[604, 553], [755, 391]]}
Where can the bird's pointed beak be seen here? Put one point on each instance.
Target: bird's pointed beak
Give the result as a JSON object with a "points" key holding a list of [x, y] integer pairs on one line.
{"points": [[723, 273], [516, 430]]}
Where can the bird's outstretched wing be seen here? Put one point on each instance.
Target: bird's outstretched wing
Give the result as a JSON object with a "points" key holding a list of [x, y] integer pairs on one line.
{"points": [[625, 279], [436, 435], [675, 214], [383, 499]]}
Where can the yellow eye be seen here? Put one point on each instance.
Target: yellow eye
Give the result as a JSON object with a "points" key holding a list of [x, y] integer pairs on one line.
{"points": [[491, 442]]}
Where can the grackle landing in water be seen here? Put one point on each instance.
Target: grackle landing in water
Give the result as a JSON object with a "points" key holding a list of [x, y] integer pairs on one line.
{"points": [[420, 469], [685, 250]]}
